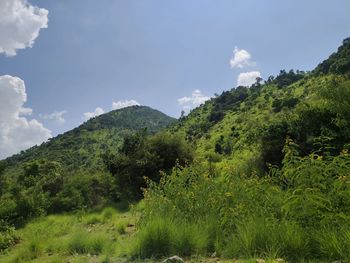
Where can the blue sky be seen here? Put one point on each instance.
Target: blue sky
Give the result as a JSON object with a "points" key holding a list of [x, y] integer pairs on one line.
{"points": [[94, 53]]}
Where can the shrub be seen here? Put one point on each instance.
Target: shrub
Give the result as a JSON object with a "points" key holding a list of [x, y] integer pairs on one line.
{"points": [[8, 236]]}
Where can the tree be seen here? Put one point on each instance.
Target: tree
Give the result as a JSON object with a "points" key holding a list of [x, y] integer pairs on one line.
{"points": [[145, 159]]}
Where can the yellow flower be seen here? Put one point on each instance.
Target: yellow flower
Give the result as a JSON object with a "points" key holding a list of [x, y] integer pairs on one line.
{"points": [[319, 157]]}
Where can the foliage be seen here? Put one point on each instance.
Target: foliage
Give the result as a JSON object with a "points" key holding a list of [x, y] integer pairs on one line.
{"points": [[284, 79], [254, 172], [278, 215], [82, 146], [142, 157], [338, 62], [8, 236], [67, 173], [43, 188]]}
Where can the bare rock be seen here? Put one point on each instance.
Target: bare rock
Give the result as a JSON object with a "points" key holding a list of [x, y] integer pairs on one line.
{"points": [[260, 260]]}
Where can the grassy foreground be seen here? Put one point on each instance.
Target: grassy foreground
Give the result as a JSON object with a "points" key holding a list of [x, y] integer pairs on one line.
{"points": [[103, 236], [108, 235]]}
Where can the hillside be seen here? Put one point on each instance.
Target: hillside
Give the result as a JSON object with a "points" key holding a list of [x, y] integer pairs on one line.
{"points": [[82, 146], [256, 172], [248, 126], [67, 172]]}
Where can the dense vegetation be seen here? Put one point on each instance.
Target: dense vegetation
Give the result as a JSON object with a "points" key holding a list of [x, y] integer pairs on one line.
{"points": [[271, 177], [142, 158], [260, 171], [82, 146], [68, 173]]}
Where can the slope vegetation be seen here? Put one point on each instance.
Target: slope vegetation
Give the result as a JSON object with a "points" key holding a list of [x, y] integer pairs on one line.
{"points": [[256, 172], [82, 146]]}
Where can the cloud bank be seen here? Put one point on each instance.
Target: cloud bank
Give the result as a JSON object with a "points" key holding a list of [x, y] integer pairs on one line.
{"points": [[196, 99], [241, 58], [16, 131], [248, 78], [123, 104], [20, 23]]}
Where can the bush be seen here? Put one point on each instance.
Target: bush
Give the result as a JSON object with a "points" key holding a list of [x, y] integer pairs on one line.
{"points": [[142, 157], [240, 215], [8, 237]]}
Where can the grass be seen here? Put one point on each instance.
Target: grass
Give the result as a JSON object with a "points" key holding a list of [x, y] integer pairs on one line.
{"points": [[163, 237], [79, 237], [109, 235]]}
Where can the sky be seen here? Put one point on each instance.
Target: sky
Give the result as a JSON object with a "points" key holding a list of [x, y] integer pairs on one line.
{"points": [[63, 62]]}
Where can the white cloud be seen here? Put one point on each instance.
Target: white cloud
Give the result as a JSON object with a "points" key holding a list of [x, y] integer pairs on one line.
{"points": [[196, 99], [124, 103], [25, 111], [248, 78], [17, 132], [56, 116], [96, 112], [20, 23], [241, 58]]}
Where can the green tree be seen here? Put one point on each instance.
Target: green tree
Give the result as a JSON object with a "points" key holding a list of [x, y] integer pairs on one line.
{"points": [[144, 157]]}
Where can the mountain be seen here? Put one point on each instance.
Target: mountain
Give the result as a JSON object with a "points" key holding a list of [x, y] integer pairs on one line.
{"points": [[82, 146]]}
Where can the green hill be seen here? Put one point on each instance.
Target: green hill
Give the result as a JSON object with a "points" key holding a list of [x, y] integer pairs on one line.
{"points": [[82, 146], [67, 172], [271, 175]]}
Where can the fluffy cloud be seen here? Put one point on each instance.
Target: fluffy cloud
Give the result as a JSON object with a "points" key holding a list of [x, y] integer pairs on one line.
{"points": [[196, 99], [124, 103], [20, 23], [248, 78], [17, 132], [241, 58], [56, 116], [96, 112]]}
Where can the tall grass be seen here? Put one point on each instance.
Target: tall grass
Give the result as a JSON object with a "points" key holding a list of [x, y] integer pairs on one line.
{"points": [[84, 243], [333, 243], [196, 210], [162, 237], [70, 238]]}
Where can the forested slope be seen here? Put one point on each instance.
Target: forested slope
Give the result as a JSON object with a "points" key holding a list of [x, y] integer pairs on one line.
{"points": [[82, 146]]}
